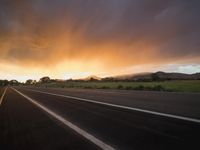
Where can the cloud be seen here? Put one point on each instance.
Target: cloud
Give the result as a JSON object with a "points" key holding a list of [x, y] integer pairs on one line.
{"points": [[116, 33]]}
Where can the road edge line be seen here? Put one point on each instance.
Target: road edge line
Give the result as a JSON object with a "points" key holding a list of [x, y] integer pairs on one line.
{"points": [[125, 107], [80, 131], [2, 96]]}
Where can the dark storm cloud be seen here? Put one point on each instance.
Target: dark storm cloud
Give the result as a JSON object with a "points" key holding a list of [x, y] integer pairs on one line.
{"points": [[143, 31]]}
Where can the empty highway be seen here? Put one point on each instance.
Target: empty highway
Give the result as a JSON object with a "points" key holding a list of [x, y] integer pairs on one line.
{"points": [[54, 119]]}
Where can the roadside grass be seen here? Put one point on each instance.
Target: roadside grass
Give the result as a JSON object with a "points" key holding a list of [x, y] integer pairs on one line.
{"points": [[174, 86]]}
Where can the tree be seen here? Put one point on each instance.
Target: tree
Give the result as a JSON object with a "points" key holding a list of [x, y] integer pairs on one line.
{"points": [[13, 82], [30, 81], [93, 79], [45, 80], [155, 77], [4, 82]]}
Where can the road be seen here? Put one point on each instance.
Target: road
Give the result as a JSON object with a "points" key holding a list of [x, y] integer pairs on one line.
{"points": [[40, 118]]}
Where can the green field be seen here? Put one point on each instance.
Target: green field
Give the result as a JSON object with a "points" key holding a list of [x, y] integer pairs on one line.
{"points": [[173, 86]]}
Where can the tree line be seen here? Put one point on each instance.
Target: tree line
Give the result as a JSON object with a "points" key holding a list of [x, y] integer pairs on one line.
{"points": [[28, 82]]}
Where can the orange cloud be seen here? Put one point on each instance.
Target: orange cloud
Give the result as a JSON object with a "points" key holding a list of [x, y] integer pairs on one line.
{"points": [[96, 37]]}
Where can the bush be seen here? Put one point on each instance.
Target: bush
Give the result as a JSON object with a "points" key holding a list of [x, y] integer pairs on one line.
{"points": [[62, 86], [158, 88], [120, 87], [88, 87], [104, 87], [140, 87], [129, 88]]}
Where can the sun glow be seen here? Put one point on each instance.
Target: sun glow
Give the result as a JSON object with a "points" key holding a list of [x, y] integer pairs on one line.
{"points": [[71, 39]]}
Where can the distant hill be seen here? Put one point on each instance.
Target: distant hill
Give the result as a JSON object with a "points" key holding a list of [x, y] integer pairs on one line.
{"points": [[176, 76], [91, 78], [158, 76]]}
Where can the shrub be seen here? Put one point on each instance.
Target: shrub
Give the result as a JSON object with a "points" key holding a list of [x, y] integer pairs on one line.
{"points": [[129, 88], [158, 88], [88, 87], [140, 87], [120, 87], [62, 86], [105, 87]]}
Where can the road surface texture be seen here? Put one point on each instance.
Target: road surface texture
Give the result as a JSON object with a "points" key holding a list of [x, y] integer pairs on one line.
{"points": [[24, 126], [32, 118]]}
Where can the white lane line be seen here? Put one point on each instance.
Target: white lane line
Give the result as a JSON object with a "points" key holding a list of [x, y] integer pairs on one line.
{"points": [[80, 131], [1, 99], [124, 107]]}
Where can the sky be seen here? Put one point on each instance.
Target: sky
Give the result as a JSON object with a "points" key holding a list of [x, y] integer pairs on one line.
{"points": [[77, 38]]}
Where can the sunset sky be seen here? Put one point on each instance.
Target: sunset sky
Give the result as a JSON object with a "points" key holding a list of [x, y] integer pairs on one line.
{"points": [[77, 38]]}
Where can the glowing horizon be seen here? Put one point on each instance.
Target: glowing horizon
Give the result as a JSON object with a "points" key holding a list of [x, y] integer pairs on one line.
{"points": [[76, 39]]}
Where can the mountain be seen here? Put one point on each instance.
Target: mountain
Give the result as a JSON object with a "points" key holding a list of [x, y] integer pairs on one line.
{"points": [[90, 78], [130, 76], [158, 76], [174, 76]]}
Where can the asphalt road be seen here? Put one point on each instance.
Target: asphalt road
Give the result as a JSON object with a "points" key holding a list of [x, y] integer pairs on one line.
{"points": [[158, 120], [23, 126], [183, 104]]}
